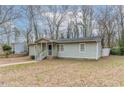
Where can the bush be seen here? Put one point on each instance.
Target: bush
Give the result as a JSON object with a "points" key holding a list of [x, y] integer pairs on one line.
{"points": [[32, 57], [122, 51], [7, 50], [117, 51]]}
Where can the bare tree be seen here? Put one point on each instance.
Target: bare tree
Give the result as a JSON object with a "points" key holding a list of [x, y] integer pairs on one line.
{"points": [[82, 16], [107, 24], [55, 16], [7, 13], [108, 19], [75, 22], [87, 19], [120, 24]]}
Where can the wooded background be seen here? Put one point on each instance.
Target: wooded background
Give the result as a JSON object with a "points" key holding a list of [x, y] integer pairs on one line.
{"points": [[29, 23]]}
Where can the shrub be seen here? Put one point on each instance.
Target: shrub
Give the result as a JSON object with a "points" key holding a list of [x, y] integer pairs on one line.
{"points": [[117, 51], [122, 51], [7, 49], [32, 57]]}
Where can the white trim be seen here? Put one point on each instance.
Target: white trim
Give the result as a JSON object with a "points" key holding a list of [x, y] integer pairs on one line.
{"points": [[51, 49], [46, 48], [41, 46], [35, 50], [97, 51], [77, 57], [60, 48], [84, 48]]}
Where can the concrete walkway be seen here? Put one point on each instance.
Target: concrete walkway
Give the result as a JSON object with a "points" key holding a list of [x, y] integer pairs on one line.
{"points": [[10, 64]]}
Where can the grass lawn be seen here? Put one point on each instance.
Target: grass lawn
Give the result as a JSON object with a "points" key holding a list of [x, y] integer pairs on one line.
{"points": [[64, 72]]}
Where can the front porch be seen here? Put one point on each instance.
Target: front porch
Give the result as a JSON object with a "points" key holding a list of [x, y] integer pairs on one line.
{"points": [[45, 50]]}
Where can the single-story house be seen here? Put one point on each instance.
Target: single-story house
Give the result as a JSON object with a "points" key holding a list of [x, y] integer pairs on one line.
{"points": [[88, 48]]}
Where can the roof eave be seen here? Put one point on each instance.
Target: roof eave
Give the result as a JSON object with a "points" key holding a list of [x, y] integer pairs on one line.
{"points": [[84, 41]]}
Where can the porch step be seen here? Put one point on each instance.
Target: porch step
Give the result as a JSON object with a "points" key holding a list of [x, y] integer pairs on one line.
{"points": [[50, 57], [39, 59]]}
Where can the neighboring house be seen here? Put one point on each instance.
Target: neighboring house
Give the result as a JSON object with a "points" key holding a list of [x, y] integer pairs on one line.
{"points": [[19, 48], [88, 48]]}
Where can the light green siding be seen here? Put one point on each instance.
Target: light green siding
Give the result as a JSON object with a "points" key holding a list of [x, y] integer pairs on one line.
{"points": [[72, 51], [32, 50]]}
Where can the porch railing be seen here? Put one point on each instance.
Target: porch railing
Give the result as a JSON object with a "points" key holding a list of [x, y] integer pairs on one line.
{"points": [[41, 55]]}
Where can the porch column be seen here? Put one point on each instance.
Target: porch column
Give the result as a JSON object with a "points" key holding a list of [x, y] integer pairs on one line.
{"points": [[35, 51], [52, 49], [46, 49], [41, 47]]}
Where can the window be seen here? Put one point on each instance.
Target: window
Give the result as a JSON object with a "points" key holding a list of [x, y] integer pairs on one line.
{"points": [[61, 47], [82, 47]]}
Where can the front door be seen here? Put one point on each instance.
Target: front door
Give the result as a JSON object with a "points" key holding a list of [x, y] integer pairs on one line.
{"points": [[49, 49]]}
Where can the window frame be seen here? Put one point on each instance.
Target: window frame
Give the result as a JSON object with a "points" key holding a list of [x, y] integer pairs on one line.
{"points": [[61, 47], [80, 47]]}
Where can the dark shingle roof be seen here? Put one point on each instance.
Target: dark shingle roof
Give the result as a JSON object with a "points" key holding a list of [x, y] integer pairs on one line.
{"points": [[88, 39], [71, 40]]}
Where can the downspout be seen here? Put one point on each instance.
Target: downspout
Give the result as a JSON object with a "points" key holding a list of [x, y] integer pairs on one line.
{"points": [[35, 51], [97, 50]]}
